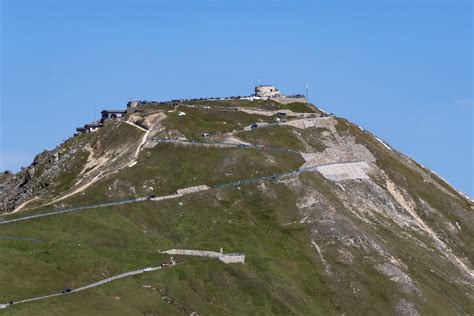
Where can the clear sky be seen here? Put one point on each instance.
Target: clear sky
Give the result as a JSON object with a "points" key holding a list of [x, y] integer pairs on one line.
{"points": [[401, 69]]}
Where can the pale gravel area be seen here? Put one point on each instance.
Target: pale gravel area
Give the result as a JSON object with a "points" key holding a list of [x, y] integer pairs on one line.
{"points": [[345, 171]]}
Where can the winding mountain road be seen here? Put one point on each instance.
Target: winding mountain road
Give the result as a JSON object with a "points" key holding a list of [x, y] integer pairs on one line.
{"points": [[174, 196], [89, 286]]}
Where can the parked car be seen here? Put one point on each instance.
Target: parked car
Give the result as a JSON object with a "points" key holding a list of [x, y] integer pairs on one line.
{"points": [[66, 290], [147, 269], [206, 135], [254, 126], [152, 196]]}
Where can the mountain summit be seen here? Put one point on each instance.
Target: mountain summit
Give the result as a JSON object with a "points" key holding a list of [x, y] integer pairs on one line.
{"points": [[264, 204]]}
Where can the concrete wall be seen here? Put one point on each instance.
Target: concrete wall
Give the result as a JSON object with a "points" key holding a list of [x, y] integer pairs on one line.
{"points": [[197, 253], [226, 258], [232, 258], [193, 189], [287, 100]]}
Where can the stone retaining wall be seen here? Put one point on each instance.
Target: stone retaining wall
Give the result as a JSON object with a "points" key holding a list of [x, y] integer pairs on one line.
{"points": [[232, 258], [193, 189], [226, 258]]}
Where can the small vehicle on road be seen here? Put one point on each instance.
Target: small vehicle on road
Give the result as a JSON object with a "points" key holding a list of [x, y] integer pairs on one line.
{"points": [[66, 290], [151, 196], [147, 269], [254, 126]]}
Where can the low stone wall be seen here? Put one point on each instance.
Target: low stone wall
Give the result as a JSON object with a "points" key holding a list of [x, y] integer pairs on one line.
{"points": [[193, 189], [166, 197], [289, 100], [238, 258], [226, 258], [197, 253]]}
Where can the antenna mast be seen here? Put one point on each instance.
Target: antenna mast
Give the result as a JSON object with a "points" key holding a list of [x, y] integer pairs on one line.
{"points": [[307, 90]]}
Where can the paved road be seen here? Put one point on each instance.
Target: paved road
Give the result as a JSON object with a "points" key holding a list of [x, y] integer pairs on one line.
{"points": [[21, 238], [73, 209], [89, 286]]}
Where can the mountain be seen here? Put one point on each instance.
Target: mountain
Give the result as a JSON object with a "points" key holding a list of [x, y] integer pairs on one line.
{"points": [[235, 206]]}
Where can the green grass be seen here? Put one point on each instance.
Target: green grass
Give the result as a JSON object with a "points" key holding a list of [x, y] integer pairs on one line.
{"points": [[169, 167], [125, 238], [286, 137], [113, 136], [199, 121], [260, 104], [277, 136], [283, 273]]}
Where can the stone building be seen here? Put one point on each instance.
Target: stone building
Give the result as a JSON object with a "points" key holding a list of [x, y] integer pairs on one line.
{"points": [[267, 91], [112, 114], [92, 127], [132, 106]]}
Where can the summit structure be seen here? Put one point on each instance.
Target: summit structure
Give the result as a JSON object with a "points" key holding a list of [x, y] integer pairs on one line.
{"points": [[267, 91]]}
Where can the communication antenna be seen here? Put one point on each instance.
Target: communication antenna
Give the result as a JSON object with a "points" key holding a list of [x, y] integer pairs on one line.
{"points": [[94, 112], [307, 90], [130, 97], [258, 80]]}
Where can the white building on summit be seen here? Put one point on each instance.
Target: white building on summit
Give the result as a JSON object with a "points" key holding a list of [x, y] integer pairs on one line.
{"points": [[267, 91]]}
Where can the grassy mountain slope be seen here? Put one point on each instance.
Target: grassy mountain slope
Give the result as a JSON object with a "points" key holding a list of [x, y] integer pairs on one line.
{"points": [[360, 229]]}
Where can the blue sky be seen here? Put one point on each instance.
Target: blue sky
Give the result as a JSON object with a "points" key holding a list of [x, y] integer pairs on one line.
{"points": [[401, 69]]}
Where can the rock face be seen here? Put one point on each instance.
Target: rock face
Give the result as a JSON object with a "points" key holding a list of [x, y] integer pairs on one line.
{"points": [[318, 199], [79, 160], [42, 177]]}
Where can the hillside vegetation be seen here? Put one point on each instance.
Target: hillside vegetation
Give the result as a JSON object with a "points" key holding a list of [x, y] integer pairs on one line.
{"points": [[331, 220]]}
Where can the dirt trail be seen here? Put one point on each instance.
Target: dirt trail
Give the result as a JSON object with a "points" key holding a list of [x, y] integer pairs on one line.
{"points": [[104, 163]]}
